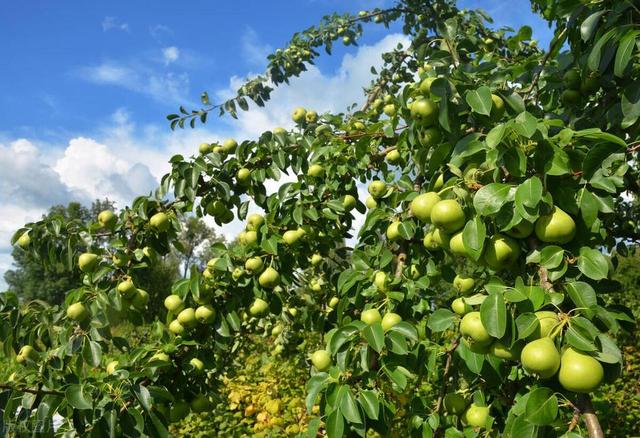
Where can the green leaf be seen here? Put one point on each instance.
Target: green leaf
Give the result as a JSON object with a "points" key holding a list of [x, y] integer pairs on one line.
{"points": [[441, 320], [593, 263], [493, 314], [542, 406], [480, 100], [473, 237], [348, 406], [315, 385], [342, 335], [580, 334], [92, 353], [490, 198], [405, 329], [495, 136], [526, 324], [593, 61], [551, 256], [526, 124], [625, 50], [335, 424], [369, 401], [77, 398], [529, 193], [589, 25], [374, 335], [582, 294]]}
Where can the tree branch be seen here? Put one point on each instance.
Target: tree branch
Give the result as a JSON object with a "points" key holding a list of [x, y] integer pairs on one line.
{"points": [[545, 59], [30, 390], [589, 416], [445, 375]]}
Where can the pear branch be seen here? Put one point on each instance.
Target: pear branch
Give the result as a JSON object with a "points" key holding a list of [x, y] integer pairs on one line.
{"points": [[589, 416]]}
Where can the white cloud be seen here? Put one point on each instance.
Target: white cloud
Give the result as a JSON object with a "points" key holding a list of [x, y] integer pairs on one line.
{"points": [[253, 50], [170, 54], [121, 159], [159, 30], [112, 23], [165, 87]]}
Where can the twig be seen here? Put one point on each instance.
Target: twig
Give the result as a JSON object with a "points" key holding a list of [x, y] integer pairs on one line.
{"points": [[445, 375], [545, 59], [31, 390]]}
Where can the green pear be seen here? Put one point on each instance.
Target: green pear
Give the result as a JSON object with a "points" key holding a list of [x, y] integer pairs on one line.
{"points": [[389, 320], [547, 321], [501, 252], [476, 416], [316, 171], [435, 239], [159, 222], [393, 157], [370, 202], [422, 205], [321, 360], [381, 281], [258, 307], [140, 299], [431, 136], [349, 202], [377, 189], [370, 316], [541, 358], [291, 237], [393, 232], [205, 314], [471, 327], [299, 115], [107, 219], [502, 351], [254, 264], [187, 317], [463, 284], [127, 289], [270, 278], [454, 404], [456, 245], [522, 230], [254, 222], [229, 145], [311, 117], [243, 176], [497, 107], [205, 148], [424, 110], [176, 328], [24, 240], [316, 259], [87, 262], [460, 307], [448, 215], [579, 372], [334, 302], [557, 227], [173, 303], [77, 312], [197, 365]]}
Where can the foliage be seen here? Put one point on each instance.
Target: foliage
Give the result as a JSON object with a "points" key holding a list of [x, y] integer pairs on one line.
{"points": [[263, 393], [527, 153]]}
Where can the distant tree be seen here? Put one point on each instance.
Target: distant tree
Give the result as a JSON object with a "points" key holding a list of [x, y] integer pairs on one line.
{"points": [[30, 279], [195, 238]]}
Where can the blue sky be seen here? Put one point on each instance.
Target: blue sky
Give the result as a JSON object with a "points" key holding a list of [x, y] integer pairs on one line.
{"points": [[86, 85]]}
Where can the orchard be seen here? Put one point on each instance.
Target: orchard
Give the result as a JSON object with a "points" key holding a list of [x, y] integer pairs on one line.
{"points": [[469, 303]]}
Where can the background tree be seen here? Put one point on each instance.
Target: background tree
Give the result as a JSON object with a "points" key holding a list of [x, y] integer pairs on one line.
{"points": [[30, 280]]}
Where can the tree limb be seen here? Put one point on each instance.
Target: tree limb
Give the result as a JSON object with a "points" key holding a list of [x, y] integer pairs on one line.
{"points": [[589, 416]]}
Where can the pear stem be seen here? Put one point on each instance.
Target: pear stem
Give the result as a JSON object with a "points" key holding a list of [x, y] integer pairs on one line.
{"points": [[589, 416]]}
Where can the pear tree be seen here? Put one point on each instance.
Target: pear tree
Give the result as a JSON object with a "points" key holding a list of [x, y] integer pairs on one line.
{"points": [[469, 303]]}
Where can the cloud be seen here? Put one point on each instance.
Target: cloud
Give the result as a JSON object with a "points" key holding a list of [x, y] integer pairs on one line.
{"points": [[112, 23], [253, 51], [170, 54], [160, 30], [166, 87]]}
